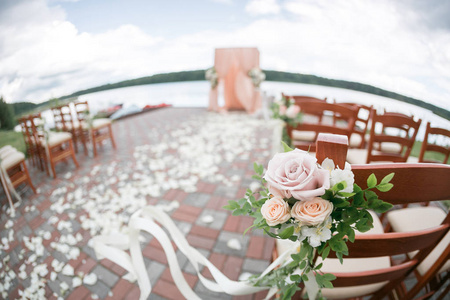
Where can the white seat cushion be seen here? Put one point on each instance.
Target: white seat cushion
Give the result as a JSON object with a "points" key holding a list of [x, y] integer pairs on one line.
{"points": [[355, 140], [6, 152], [5, 148], [12, 159], [308, 136], [419, 218], [56, 138], [98, 123], [391, 147], [357, 156], [413, 159]]}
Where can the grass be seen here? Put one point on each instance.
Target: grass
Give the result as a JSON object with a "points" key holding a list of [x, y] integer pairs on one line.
{"points": [[13, 138], [415, 151]]}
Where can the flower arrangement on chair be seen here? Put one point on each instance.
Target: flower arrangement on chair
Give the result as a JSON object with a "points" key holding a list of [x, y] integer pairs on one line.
{"points": [[317, 206], [212, 77], [257, 76], [286, 110]]}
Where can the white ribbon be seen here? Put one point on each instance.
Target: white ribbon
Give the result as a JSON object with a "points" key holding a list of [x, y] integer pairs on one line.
{"points": [[114, 248]]}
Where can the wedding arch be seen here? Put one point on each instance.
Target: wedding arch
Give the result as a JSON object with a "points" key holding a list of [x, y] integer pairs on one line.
{"points": [[238, 70]]}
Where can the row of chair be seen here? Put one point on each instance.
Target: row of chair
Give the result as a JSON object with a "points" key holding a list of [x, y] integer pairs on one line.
{"points": [[372, 137], [50, 148], [380, 262]]}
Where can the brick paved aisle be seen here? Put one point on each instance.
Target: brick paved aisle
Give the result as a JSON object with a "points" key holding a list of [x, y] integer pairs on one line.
{"points": [[187, 160]]}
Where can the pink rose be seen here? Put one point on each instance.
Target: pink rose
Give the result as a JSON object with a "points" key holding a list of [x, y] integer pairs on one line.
{"points": [[278, 193], [312, 212], [275, 211], [282, 110], [297, 173], [292, 111]]}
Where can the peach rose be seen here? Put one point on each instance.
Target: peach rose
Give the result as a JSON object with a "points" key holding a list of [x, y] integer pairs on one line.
{"points": [[313, 212], [292, 111], [282, 110], [275, 211], [296, 173]]}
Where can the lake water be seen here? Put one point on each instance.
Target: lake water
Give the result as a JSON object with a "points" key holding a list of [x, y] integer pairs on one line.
{"points": [[196, 94]]}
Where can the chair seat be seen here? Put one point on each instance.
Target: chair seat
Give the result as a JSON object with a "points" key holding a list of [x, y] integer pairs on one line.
{"points": [[6, 152], [419, 218], [5, 149], [97, 123], [308, 136], [12, 159], [391, 147], [350, 265], [56, 138], [413, 160], [355, 140]]}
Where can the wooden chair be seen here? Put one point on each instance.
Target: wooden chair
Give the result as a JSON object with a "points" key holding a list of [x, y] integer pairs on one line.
{"points": [[436, 140], [99, 129], [13, 162], [31, 142], [359, 135], [369, 270], [64, 121], [303, 136], [298, 100], [397, 131]]}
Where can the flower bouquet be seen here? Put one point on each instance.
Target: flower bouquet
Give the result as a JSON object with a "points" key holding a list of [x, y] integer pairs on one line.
{"points": [[317, 206], [257, 76], [286, 110], [212, 77]]}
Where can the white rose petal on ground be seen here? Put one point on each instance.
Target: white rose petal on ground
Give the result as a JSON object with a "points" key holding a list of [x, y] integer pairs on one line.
{"points": [[207, 219], [234, 244], [90, 279], [76, 281]]}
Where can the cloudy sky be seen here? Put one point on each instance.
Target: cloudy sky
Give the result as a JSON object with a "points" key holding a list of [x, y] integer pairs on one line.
{"points": [[50, 48]]}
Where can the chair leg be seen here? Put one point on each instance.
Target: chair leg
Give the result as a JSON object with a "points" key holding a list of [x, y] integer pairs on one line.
{"points": [[73, 154], [25, 169], [111, 136], [75, 141], [94, 143]]}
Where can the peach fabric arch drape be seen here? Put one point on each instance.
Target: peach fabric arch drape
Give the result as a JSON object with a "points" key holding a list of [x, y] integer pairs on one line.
{"points": [[232, 66]]}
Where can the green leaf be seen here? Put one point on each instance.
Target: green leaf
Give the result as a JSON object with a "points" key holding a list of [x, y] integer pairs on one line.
{"points": [[327, 284], [384, 207], [329, 276], [351, 235], [286, 233], [304, 277], [339, 255], [385, 187], [257, 177], [295, 277], [358, 200], [302, 265], [371, 181], [387, 178], [286, 148], [325, 252]]}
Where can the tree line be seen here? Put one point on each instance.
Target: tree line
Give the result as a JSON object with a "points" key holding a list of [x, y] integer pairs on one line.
{"points": [[21, 108]]}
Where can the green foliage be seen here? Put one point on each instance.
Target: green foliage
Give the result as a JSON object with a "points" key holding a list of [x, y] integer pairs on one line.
{"points": [[12, 138], [7, 121], [21, 108]]}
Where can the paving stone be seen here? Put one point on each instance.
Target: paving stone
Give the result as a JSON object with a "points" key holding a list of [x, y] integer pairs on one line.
{"points": [[55, 286], [60, 256], [105, 275], [255, 266], [89, 251], [219, 218], [188, 266], [224, 237], [184, 227], [197, 199], [228, 192], [31, 215], [204, 293], [154, 270], [24, 231], [99, 288]]}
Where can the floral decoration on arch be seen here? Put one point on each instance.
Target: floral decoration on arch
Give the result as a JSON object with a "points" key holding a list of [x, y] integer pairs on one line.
{"points": [[257, 76], [317, 206], [212, 77]]}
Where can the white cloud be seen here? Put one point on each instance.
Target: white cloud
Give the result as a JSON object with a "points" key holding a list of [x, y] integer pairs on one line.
{"points": [[262, 7], [46, 56]]}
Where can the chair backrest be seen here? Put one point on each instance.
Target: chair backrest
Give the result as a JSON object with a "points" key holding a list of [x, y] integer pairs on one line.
{"points": [[395, 129], [413, 183], [29, 125], [81, 109], [62, 116], [362, 121], [444, 147], [346, 114]]}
